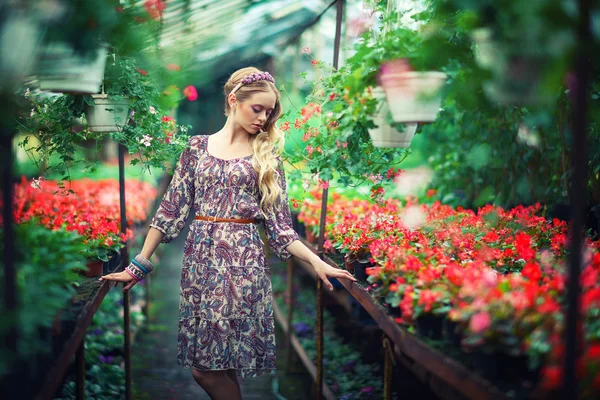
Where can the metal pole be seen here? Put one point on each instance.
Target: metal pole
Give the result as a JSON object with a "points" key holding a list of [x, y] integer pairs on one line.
{"points": [[388, 366], [321, 251], [577, 199], [80, 371], [290, 312], [10, 283], [125, 257]]}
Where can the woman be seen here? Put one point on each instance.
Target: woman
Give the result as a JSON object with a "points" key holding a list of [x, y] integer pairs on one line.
{"points": [[233, 180]]}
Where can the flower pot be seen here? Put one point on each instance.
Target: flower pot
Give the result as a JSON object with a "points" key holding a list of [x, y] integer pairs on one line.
{"points": [[349, 264], [384, 135], [107, 114], [413, 96], [311, 237], [499, 366], [93, 268], [430, 326], [452, 332], [60, 69], [360, 270]]}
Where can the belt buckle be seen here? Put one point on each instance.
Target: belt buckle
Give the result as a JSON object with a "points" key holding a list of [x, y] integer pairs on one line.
{"points": [[214, 218]]}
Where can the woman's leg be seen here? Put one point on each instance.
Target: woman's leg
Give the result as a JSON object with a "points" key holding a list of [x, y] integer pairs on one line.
{"points": [[233, 375], [217, 384]]}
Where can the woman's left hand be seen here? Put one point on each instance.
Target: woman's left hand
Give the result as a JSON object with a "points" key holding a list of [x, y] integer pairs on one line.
{"points": [[325, 270]]}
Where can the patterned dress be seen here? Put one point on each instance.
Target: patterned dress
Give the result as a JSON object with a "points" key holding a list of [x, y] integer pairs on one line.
{"points": [[226, 316]]}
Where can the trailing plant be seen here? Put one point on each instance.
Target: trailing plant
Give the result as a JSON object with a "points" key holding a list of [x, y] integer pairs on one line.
{"points": [[45, 263]]}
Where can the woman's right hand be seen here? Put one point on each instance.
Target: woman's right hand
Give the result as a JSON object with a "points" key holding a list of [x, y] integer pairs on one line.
{"points": [[121, 277]]}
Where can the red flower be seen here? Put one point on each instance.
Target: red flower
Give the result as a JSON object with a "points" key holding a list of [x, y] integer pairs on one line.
{"points": [[551, 377], [167, 118], [430, 193], [143, 72], [190, 92], [294, 203], [173, 67], [285, 126], [154, 8], [532, 271]]}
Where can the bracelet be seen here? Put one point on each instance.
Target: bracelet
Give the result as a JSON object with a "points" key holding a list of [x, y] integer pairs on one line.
{"points": [[132, 275], [135, 272], [143, 263]]}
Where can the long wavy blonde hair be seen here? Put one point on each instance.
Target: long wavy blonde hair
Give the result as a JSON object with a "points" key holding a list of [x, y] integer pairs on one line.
{"points": [[268, 144]]}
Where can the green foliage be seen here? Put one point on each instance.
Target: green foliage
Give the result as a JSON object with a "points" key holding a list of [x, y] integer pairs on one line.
{"points": [[45, 265]]}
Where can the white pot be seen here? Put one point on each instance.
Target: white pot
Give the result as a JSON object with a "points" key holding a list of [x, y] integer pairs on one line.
{"points": [[107, 114], [61, 70], [413, 96], [384, 135]]}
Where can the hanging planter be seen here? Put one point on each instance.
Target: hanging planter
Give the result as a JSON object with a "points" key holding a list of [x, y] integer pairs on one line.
{"points": [[107, 114], [385, 135], [411, 96], [60, 69]]}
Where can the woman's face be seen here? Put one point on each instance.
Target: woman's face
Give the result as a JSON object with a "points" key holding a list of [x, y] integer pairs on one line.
{"points": [[253, 113]]}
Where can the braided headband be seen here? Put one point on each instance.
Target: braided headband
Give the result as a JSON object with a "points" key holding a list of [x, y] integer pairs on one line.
{"points": [[261, 76]]}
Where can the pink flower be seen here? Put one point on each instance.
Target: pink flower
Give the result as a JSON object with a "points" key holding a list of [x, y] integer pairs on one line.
{"points": [[323, 184], [480, 322], [173, 67], [190, 92], [306, 50]]}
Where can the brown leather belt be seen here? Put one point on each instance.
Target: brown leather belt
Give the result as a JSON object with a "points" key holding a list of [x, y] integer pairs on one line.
{"points": [[236, 220]]}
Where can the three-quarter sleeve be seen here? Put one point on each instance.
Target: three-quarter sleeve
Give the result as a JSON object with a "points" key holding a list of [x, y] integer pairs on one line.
{"points": [[278, 221], [179, 198]]}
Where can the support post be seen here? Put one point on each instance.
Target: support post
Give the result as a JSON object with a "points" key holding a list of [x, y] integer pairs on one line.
{"points": [[80, 371], [577, 199], [290, 312], [388, 367], [125, 257], [321, 251]]}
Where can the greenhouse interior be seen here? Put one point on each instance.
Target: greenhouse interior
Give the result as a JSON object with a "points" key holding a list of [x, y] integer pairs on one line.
{"points": [[294, 200]]}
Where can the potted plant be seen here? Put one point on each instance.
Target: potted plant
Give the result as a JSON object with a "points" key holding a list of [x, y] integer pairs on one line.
{"points": [[385, 134]]}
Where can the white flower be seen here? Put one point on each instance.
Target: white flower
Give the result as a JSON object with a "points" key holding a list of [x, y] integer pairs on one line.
{"points": [[145, 140], [32, 113], [306, 185], [152, 110], [183, 128], [413, 181], [36, 182], [527, 136], [27, 93], [413, 217]]}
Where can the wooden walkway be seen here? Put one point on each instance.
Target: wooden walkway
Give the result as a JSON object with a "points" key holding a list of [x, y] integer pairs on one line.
{"points": [[156, 375]]}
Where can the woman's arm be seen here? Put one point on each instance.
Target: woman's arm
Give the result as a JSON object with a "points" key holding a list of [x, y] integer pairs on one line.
{"points": [[323, 270], [152, 241]]}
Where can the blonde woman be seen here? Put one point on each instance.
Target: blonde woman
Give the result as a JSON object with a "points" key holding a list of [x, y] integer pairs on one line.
{"points": [[233, 181]]}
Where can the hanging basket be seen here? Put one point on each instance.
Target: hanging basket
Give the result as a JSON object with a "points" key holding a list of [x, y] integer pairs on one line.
{"points": [[385, 135], [107, 114], [413, 96], [60, 69]]}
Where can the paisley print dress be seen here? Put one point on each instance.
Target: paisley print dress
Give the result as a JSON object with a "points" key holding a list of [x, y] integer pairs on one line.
{"points": [[226, 317]]}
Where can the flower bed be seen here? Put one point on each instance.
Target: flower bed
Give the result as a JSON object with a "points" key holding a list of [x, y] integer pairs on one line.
{"points": [[90, 209], [491, 281]]}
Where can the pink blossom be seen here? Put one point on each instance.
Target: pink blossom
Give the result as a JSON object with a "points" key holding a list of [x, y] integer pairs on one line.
{"points": [[190, 92], [480, 322], [306, 50]]}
